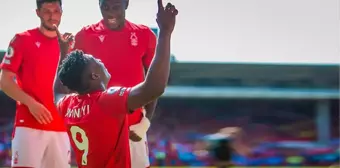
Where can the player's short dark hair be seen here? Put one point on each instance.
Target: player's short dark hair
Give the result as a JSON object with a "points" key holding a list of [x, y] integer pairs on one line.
{"points": [[41, 2], [71, 70]]}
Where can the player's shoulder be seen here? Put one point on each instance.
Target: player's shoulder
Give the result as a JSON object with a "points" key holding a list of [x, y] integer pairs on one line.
{"points": [[92, 28], [115, 91], [85, 29], [137, 27], [27, 34], [113, 94]]}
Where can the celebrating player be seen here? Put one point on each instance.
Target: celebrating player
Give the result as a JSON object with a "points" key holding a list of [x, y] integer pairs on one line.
{"points": [[126, 49], [96, 117], [39, 136]]}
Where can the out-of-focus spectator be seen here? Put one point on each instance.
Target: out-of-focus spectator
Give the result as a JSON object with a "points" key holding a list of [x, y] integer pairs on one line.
{"points": [[222, 154]]}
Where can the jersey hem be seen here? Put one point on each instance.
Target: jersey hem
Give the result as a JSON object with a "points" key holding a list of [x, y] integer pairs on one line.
{"points": [[43, 129], [7, 68]]}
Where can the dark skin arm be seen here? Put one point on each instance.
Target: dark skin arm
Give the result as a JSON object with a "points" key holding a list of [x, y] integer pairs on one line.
{"points": [[147, 58], [134, 137], [157, 77], [64, 41], [151, 107], [158, 73]]}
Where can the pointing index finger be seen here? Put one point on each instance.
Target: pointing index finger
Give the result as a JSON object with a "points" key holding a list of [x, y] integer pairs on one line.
{"points": [[160, 5], [57, 30]]}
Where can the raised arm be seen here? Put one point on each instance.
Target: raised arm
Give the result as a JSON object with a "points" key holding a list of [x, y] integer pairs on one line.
{"points": [[64, 43], [147, 58], [157, 77]]}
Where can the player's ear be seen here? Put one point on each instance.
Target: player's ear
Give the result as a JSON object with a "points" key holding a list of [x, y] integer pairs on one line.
{"points": [[95, 76], [37, 12]]}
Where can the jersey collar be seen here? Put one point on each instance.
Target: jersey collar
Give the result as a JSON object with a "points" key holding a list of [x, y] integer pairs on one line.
{"points": [[103, 27]]}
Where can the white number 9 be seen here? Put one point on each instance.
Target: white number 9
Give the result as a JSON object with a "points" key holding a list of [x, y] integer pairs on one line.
{"points": [[82, 146]]}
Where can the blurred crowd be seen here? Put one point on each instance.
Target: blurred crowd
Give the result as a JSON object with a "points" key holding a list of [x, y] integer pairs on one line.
{"points": [[275, 133], [190, 132]]}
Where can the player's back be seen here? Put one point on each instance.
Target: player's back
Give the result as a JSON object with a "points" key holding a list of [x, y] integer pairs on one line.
{"points": [[98, 131]]}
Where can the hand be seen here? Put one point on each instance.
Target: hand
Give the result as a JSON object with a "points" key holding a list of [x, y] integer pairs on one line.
{"points": [[134, 137], [244, 141], [138, 131], [40, 113], [65, 41], [166, 18]]}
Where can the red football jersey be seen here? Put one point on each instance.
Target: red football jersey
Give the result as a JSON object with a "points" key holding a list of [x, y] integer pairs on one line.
{"points": [[34, 58], [125, 53], [97, 125]]}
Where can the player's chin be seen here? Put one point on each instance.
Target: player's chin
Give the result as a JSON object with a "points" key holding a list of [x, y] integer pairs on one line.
{"points": [[49, 27], [112, 25], [108, 77], [106, 84]]}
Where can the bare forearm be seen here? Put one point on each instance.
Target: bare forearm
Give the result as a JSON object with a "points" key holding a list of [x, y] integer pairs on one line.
{"points": [[156, 78], [58, 88], [64, 48], [150, 109], [158, 74], [15, 92]]}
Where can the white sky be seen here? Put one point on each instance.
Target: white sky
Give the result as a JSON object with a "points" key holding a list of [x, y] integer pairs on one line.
{"points": [[289, 31]]}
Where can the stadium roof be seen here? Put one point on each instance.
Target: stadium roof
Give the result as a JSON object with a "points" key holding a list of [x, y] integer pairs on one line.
{"points": [[275, 71], [250, 93], [269, 81], [255, 75], [2, 54]]}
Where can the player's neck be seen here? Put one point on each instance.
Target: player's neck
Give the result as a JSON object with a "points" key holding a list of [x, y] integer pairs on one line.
{"points": [[119, 28], [47, 33], [87, 91]]}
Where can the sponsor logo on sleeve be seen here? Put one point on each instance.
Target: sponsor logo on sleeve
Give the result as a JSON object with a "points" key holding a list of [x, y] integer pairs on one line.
{"points": [[9, 52]]}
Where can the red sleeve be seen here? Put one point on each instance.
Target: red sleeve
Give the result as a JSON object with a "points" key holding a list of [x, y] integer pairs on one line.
{"points": [[151, 47], [115, 98], [14, 55]]}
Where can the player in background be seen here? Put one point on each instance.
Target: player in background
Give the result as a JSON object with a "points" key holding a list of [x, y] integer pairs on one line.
{"points": [[96, 116], [126, 49], [28, 70]]}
